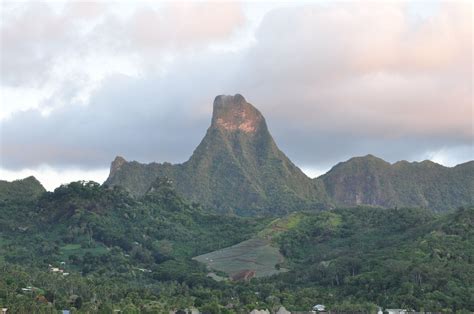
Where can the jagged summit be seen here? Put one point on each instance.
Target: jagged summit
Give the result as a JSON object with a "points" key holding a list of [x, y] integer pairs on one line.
{"points": [[234, 113], [236, 167], [118, 162]]}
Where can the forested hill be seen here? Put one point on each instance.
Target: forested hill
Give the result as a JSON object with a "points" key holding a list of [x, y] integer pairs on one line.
{"points": [[395, 258], [370, 180], [92, 248], [25, 189], [108, 244], [239, 168]]}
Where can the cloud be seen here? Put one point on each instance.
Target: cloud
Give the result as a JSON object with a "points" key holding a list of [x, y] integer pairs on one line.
{"points": [[51, 178], [76, 45], [451, 156], [367, 68], [333, 81], [150, 119]]}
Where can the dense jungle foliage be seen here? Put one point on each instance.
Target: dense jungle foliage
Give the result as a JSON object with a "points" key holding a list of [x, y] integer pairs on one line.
{"points": [[134, 255]]}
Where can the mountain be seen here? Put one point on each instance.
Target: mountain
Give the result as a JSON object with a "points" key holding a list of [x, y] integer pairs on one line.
{"points": [[236, 167], [17, 199], [372, 181], [28, 188], [239, 168]]}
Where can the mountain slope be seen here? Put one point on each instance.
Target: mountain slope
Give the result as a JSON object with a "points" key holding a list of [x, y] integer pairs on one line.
{"points": [[16, 201], [20, 190], [236, 167], [372, 181]]}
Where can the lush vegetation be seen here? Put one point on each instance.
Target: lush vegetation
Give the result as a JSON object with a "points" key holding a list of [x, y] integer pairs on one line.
{"points": [[372, 181], [121, 252], [405, 258]]}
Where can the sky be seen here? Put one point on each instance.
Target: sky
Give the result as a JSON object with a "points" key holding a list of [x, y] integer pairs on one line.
{"points": [[82, 82]]}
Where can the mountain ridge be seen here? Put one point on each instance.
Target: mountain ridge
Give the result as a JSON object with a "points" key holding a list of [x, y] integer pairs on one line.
{"points": [[370, 180], [238, 167], [27, 188]]}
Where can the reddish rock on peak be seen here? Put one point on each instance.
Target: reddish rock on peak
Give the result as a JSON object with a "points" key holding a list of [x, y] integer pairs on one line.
{"points": [[234, 113]]}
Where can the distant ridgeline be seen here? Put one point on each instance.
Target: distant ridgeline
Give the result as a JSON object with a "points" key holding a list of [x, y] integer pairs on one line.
{"points": [[239, 168]]}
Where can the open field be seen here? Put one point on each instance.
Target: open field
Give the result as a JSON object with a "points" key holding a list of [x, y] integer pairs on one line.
{"points": [[78, 250], [258, 254], [255, 254]]}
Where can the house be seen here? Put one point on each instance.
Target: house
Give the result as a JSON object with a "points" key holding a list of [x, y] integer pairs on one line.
{"points": [[319, 308], [244, 275], [395, 311], [255, 311]]}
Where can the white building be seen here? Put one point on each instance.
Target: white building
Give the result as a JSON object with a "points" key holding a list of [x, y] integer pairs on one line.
{"points": [[319, 308], [395, 311]]}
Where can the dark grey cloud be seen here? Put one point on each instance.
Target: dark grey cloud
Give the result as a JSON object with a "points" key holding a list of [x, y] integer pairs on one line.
{"points": [[332, 82]]}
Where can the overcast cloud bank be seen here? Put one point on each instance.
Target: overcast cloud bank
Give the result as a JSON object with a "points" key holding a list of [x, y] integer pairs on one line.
{"points": [[85, 82]]}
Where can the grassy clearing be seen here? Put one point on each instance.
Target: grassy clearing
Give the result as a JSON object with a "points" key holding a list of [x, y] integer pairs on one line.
{"points": [[78, 250], [281, 225], [259, 253], [255, 254]]}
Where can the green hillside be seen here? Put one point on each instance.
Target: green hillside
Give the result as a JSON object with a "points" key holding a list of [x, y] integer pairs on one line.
{"points": [[372, 181], [135, 254], [25, 189], [395, 258]]}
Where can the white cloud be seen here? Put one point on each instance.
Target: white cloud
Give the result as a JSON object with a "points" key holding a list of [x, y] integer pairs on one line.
{"points": [[63, 51], [452, 156], [313, 172], [52, 177]]}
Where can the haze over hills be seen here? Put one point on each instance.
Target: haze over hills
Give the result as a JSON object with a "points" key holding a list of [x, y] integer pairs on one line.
{"points": [[238, 167]]}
